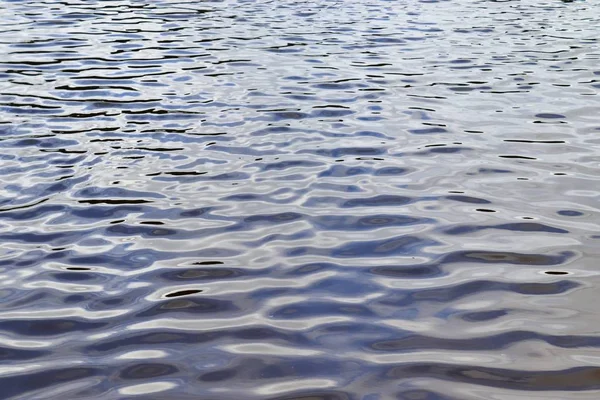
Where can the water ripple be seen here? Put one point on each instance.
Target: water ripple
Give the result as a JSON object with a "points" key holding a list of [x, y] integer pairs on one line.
{"points": [[299, 199]]}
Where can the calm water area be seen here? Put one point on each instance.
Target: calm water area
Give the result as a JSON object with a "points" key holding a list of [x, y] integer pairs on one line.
{"points": [[299, 200]]}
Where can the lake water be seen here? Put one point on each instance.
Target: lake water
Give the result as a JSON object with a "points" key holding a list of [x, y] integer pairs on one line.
{"points": [[316, 200]]}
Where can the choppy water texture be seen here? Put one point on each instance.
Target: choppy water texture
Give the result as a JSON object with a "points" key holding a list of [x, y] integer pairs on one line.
{"points": [[299, 200]]}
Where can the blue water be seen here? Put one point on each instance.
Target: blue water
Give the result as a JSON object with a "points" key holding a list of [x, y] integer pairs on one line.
{"points": [[308, 200]]}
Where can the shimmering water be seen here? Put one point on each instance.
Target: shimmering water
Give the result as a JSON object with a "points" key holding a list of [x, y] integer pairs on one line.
{"points": [[333, 200]]}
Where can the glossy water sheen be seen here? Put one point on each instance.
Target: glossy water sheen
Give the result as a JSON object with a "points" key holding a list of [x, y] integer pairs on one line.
{"points": [[328, 200]]}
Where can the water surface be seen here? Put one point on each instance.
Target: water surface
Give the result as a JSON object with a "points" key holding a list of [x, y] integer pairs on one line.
{"points": [[372, 200]]}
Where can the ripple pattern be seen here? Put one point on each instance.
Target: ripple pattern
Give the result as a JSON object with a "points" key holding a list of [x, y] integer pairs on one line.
{"points": [[296, 199]]}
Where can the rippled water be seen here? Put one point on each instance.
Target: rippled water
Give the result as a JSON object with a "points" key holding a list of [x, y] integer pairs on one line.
{"points": [[299, 199]]}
